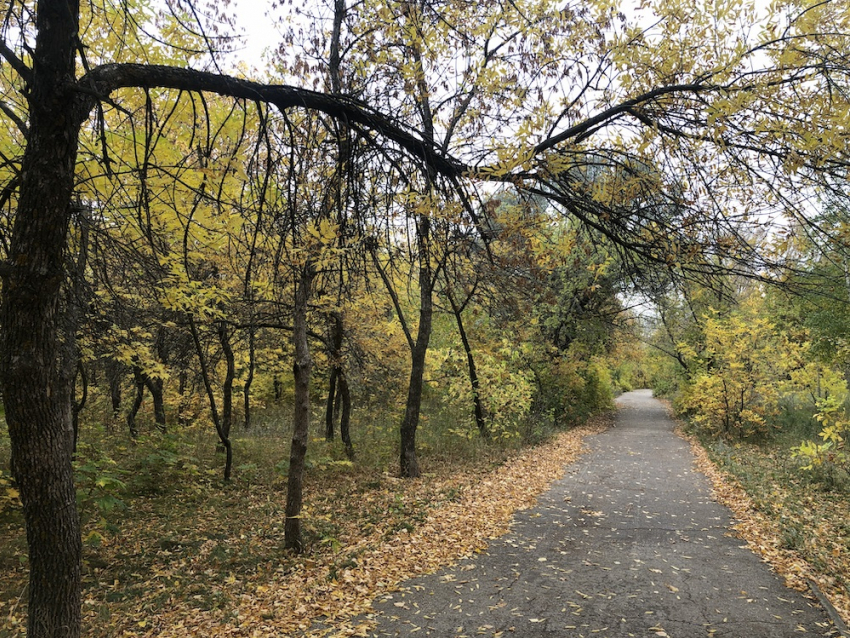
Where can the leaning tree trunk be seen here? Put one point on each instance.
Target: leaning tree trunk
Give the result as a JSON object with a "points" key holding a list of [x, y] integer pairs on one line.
{"points": [[224, 438], [157, 389], [301, 414], [38, 406], [474, 383]]}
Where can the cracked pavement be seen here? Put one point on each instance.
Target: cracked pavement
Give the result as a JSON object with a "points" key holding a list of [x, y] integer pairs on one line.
{"points": [[627, 543]]}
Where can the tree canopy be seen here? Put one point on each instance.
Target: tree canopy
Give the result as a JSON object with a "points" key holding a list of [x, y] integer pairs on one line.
{"points": [[174, 210]]}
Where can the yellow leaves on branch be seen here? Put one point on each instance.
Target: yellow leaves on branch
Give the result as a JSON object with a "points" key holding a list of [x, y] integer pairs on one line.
{"points": [[740, 372], [508, 160]]}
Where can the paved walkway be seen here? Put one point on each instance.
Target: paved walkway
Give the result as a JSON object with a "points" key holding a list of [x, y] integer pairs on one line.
{"points": [[628, 543]]}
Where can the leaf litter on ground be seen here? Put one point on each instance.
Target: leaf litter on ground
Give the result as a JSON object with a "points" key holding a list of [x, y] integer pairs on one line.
{"points": [[211, 564], [767, 509]]}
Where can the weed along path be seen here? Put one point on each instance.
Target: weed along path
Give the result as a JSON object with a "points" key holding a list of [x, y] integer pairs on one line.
{"points": [[628, 543]]}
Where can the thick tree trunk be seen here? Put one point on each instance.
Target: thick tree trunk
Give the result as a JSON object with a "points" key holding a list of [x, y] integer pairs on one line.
{"points": [[301, 414], [38, 405]]}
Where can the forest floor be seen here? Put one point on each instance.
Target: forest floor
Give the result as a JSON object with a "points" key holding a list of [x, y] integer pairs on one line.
{"points": [[186, 555]]}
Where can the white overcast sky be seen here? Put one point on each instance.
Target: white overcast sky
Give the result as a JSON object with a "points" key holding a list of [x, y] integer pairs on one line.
{"points": [[259, 28]]}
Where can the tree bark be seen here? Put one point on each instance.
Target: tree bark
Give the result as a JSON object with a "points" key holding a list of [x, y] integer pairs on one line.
{"points": [[157, 390], [78, 405], [336, 372], [249, 379], [112, 370], [230, 375], [137, 403], [331, 403], [223, 438], [301, 413], [38, 407], [72, 364], [345, 417], [409, 465]]}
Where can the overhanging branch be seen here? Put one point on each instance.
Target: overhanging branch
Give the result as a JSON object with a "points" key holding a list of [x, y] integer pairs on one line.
{"points": [[112, 77]]}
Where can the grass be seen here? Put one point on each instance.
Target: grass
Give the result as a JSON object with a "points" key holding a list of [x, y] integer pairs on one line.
{"points": [[160, 526]]}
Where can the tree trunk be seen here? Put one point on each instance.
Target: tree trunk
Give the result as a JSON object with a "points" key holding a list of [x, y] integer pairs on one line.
{"points": [[183, 405], [156, 388], [249, 380], [301, 416], [137, 402], [223, 438], [331, 403], [113, 376], [72, 364], [409, 465], [470, 363], [78, 406], [336, 374], [38, 406], [345, 418], [230, 375]]}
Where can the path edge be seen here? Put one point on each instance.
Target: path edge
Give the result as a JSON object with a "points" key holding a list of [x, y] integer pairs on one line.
{"points": [[754, 528]]}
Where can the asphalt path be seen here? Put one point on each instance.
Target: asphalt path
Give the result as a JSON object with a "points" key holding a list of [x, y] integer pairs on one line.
{"points": [[628, 543]]}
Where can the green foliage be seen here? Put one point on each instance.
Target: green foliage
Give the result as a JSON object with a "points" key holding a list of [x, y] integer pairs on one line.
{"points": [[100, 480], [663, 373], [100, 491], [829, 459], [598, 392], [506, 388], [808, 510]]}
